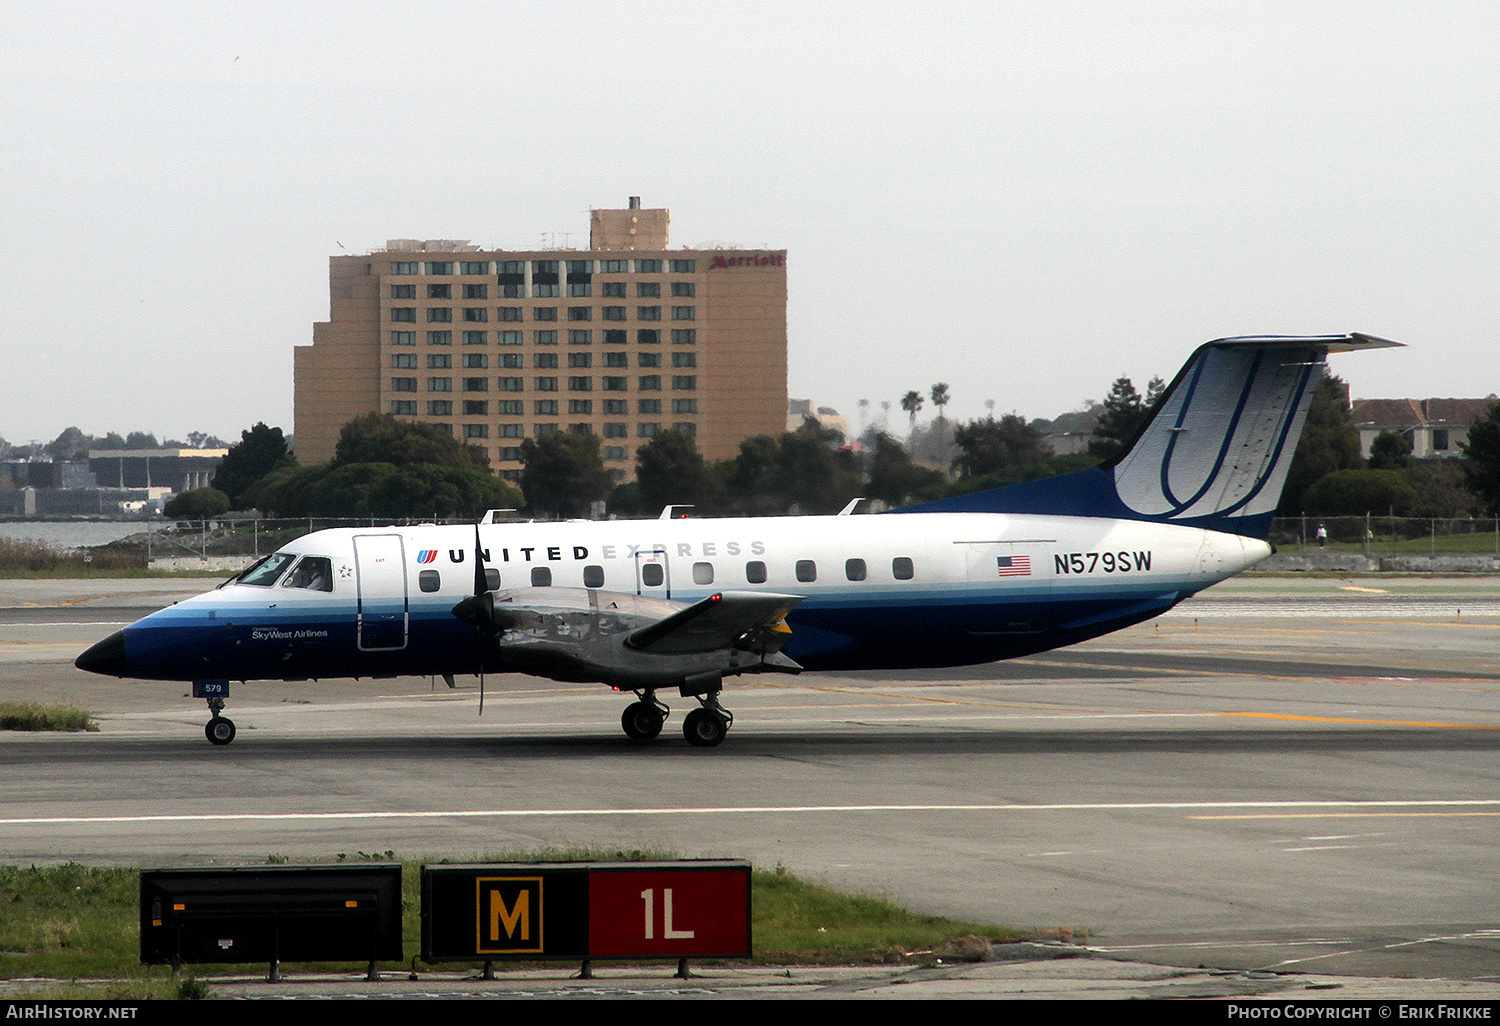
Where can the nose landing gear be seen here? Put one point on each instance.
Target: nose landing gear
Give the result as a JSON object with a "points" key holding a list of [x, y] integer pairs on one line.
{"points": [[219, 729]]}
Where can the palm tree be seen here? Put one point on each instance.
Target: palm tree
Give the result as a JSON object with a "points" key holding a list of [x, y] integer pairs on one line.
{"points": [[911, 402], [940, 397]]}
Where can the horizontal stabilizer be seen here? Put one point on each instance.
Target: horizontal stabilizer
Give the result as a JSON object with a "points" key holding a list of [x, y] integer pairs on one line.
{"points": [[716, 622]]}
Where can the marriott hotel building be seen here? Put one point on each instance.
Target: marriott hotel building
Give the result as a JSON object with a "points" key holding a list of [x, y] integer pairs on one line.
{"points": [[623, 340]]}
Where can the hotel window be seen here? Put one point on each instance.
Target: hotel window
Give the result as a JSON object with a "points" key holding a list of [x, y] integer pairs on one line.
{"points": [[476, 408], [578, 289], [404, 361], [440, 338], [404, 267], [439, 384], [476, 431], [648, 406], [403, 338], [403, 292], [615, 452], [545, 291], [647, 430], [472, 291], [403, 384], [404, 407], [648, 359], [510, 454], [511, 407], [476, 360], [613, 385], [647, 289], [476, 314], [580, 337], [582, 406], [684, 336], [473, 267], [508, 313], [406, 313], [439, 315], [617, 359], [580, 313], [683, 266], [684, 359], [616, 407], [648, 267], [510, 384], [684, 288], [439, 361], [684, 382], [512, 361], [545, 385], [515, 268], [546, 407], [508, 338], [440, 292], [476, 338], [613, 430], [689, 429], [439, 267], [648, 383], [648, 313], [544, 338], [684, 406], [544, 429], [476, 384], [509, 431], [613, 266], [614, 337], [580, 359], [440, 408], [544, 313], [648, 336], [611, 313], [580, 429], [512, 292], [580, 384], [544, 360], [684, 313], [614, 289]]}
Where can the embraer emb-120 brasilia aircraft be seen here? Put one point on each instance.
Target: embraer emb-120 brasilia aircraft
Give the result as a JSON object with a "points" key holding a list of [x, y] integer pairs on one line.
{"points": [[681, 604]]}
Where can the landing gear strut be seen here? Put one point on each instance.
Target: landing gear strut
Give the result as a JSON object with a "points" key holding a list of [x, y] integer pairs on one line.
{"points": [[643, 720], [705, 727], [220, 729]]}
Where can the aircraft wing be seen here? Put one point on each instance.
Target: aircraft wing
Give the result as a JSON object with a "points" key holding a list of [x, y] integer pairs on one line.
{"points": [[716, 622]]}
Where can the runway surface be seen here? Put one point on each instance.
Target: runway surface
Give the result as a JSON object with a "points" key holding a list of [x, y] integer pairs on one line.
{"points": [[1289, 774]]}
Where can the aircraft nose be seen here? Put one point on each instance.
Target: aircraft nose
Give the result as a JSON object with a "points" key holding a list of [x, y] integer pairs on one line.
{"points": [[107, 656]]}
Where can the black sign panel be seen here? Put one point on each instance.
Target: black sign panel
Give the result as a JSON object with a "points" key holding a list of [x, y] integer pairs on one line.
{"points": [[271, 913]]}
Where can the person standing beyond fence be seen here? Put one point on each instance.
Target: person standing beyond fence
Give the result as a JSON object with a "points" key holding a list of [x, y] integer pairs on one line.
{"points": [[1322, 536]]}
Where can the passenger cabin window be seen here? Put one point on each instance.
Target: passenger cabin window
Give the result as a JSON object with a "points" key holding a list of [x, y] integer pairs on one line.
{"points": [[315, 573], [264, 573], [491, 579], [807, 570], [755, 572], [652, 575], [901, 568], [541, 577], [429, 580], [854, 569], [703, 573], [593, 576]]}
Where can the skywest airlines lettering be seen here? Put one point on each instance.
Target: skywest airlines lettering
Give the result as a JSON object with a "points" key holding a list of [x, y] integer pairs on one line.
{"points": [[944, 583]]}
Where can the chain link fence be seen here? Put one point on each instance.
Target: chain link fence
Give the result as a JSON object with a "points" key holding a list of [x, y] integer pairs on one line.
{"points": [[1375, 535]]}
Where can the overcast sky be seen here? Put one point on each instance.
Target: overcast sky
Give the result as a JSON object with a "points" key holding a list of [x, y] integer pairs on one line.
{"points": [[1025, 200]]}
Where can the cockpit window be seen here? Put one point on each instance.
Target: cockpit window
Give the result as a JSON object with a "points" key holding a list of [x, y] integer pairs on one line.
{"points": [[315, 573], [264, 573]]}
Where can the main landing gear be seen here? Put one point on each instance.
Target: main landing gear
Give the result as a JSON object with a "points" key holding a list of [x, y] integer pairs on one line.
{"points": [[220, 729], [704, 727]]}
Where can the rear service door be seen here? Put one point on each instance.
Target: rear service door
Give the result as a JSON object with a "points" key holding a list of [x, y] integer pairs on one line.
{"points": [[380, 573]]}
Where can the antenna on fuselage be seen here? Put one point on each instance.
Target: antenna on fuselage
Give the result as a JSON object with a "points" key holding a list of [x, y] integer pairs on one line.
{"points": [[489, 515], [666, 511]]}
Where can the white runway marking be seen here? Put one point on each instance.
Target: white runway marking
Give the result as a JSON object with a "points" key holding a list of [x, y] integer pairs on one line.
{"points": [[220, 817]]}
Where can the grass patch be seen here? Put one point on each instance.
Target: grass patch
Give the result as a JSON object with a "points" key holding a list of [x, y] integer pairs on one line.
{"points": [[29, 716], [73, 922]]}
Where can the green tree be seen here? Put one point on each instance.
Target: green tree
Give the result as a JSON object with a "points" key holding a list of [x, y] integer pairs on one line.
{"points": [[197, 504], [563, 474], [986, 446], [1329, 442], [1390, 451], [1357, 492], [381, 438], [940, 397], [381, 490], [669, 469], [259, 451], [1482, 459], [894, 479], [911, 402], [71, 444]]}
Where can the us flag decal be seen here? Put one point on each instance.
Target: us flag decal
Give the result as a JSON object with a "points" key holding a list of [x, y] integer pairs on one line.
{"points": [[1014, 566]]}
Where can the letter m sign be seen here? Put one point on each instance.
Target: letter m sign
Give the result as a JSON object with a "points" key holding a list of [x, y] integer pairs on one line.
{"points": [[509, 914]]}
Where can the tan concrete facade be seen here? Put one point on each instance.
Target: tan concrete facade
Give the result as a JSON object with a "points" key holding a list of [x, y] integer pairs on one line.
{"points": [[623, 340]]}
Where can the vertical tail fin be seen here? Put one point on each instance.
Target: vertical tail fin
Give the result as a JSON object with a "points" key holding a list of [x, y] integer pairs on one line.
{"points": [[1215, 452]]}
